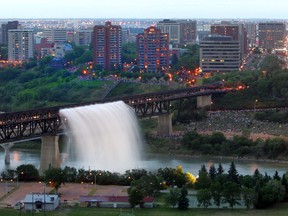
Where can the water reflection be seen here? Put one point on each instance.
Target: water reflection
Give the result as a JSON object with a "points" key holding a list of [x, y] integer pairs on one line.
{"points": [[155, 161]]}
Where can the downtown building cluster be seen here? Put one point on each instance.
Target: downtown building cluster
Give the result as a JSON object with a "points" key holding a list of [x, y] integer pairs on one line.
{"points": [[223, 45]]}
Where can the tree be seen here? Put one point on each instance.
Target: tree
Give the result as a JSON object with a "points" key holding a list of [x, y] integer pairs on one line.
{"points": [[27, 172], [270, 193], [71, 173], [173, 176], [173, 196], [204, 198], [190, 179], [203, 181], [136, 196], [216, 192], [55, 177], [233, 173], [248, 181], [276, 176], [220, 169], [150, 184], [212, 172], [249, 196], [271, 64], [183, 202], [284, 182], [217, 138], [231, 194]]}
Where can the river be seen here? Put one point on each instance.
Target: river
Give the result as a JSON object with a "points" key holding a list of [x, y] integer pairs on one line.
{"points": [[155, 161]]}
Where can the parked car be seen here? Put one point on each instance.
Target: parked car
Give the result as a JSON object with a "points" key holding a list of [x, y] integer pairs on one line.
{"points": [[18, 205]]}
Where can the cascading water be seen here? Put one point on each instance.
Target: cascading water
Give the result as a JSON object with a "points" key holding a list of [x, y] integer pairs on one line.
{"points": [[104, 136]]}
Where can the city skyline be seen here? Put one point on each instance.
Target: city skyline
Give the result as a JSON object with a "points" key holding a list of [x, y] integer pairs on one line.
{"points": [[221, 9]]}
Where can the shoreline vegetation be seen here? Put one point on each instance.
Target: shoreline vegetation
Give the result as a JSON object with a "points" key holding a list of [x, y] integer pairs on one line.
{"points": [[241, 124]]}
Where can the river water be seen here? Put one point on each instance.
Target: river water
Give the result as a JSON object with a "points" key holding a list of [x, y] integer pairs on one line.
{"points": [[156, 161]]}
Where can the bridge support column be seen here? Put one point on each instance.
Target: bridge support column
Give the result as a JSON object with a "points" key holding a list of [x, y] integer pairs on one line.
{"points": [[49, 153], [7, 147], [165, 125], [203, 101]]}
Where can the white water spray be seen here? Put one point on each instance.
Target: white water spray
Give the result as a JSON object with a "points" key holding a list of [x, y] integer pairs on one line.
{"points": [[104, 136]]}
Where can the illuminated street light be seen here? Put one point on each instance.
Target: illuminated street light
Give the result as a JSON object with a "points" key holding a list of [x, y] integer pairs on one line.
{"points": [[94, 179]]}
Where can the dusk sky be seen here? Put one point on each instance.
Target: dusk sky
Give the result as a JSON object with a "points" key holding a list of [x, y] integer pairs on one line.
{"points": [[276, 9]]}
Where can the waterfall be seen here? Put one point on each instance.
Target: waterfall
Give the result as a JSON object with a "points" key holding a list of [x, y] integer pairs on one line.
{"points": [[104, 136]]}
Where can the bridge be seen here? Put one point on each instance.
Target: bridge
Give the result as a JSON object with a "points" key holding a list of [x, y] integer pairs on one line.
{"points": [[47, 124]]}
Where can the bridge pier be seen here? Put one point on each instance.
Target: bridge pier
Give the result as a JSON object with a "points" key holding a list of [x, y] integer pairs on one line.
{"points": [[50, 156], [204, 100], [7, 147], [164, 127]]}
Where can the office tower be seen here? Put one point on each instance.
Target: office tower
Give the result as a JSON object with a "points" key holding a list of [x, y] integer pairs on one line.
{"points": [[70, 36], [107, 46], [5, 28], [172, 28], [55, 35], [179, 31], [153, 50], [83, 37], [219, 54], [271, 35], [20, 44], [236, 31], [188, 31]]}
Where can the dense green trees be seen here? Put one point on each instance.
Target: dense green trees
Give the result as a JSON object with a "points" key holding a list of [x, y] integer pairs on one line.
{"points": [[183, 202], [278, 116], [213, 187], [241, 146], [189, 60], [173, 196], [204, 197], [129, 53], [27, 172], [55, 177]]}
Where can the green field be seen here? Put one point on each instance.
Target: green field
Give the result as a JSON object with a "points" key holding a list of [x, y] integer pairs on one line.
{"points": [[278, 210]]}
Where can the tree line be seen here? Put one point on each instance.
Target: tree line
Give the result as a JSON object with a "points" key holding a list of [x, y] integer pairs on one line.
{"points": [[239, 146], [213, 186]]}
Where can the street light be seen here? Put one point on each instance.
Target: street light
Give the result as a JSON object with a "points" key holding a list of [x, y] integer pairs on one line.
{"points": [[255, 104], [6, 186], [94, 178]]}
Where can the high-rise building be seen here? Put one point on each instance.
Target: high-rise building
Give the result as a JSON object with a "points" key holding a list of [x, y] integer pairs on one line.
{"points": [[236, 31], [20, 44], [172, 28], [5, 28], [179, 31], [219, 54], [188, 31], [107, 45], [56, 35], [271, 35], [83, 37], [153, 50]]}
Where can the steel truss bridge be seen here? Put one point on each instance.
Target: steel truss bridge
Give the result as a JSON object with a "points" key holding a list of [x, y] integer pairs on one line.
{"points": [[30, 124]]}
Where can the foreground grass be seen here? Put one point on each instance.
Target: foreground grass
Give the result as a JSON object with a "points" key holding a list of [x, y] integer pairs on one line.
{"points": [[277, 210]]}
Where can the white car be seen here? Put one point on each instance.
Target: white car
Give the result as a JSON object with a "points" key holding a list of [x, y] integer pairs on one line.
{"points": [[18, 205]]}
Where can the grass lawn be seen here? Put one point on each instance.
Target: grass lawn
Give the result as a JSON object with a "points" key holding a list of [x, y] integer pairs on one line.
{"points": [[277, 210]]}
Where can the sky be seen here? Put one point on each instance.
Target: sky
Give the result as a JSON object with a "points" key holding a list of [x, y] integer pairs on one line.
{"points": [[268, 9]]}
